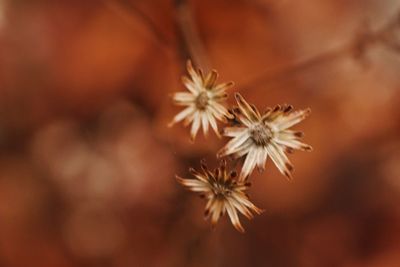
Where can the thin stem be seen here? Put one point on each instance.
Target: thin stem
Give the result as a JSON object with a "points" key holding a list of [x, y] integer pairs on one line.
{"points": [[125, 11], [268, 77], [356, 47], [190, 43]]}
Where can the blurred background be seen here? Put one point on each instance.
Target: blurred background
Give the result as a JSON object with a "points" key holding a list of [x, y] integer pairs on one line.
{"points": [[87, 163]]}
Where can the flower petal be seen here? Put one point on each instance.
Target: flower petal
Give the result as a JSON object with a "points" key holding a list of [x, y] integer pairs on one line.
{"points": [[221, 88], [234, 144], [278, 156], [193, 184], [204, 122], [181, 115], [244, 149], [213, 123], [233, 131], [262, 158], [293, 144], [241, 208], [249, 163], [216, 211], [183, 97], [193, 74], [243, 199], [190, 85], [195, 126], [246, 109], [234, 217], [219, 109], [287, 121], [210, 79]]}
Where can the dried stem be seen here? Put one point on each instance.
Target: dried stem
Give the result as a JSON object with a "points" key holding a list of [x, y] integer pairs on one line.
{"points": [[190, 43], [356, 47], [268, 77], [125, 11], [191, 46]]}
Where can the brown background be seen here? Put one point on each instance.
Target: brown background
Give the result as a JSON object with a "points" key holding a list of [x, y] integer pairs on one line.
{"points": [[87, 163]]}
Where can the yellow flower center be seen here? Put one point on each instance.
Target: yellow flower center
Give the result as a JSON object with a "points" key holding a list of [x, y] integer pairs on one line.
{"points": [[261, 134], [202, 100]]}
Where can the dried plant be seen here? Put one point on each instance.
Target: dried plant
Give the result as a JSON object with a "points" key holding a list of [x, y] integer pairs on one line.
{"points": [[224, 194], [258, 136], [203, 101], [254, 136]]}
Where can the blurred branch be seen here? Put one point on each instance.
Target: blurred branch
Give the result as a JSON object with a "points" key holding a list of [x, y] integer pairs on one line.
{"points": [[268, 76], [395, 47], [189, 41], [356, 48], [125, 11], [388, 36], [190, 44]]}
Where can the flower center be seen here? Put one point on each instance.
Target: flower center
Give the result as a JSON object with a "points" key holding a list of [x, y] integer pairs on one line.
{"points": [[202, 100], [261, 134], [221, 190]]}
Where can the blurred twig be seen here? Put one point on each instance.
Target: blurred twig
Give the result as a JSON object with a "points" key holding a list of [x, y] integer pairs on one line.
{"points": [[125, 11], [190, 44], [356, 48], [268, 76]]}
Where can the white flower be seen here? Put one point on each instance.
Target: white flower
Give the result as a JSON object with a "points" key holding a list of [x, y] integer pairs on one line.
{"points": [[223, 193], [203, 101], [259, 136]]}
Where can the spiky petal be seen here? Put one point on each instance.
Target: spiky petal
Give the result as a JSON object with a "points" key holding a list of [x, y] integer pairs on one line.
{"points": [[224, 194], [259, 136], [203, 103]]}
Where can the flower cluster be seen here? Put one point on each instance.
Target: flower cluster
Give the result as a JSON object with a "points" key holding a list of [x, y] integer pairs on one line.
{"points": [[254, 136]]}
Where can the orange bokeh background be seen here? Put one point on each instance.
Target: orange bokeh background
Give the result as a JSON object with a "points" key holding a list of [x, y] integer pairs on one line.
{"points": [[87, 162]]}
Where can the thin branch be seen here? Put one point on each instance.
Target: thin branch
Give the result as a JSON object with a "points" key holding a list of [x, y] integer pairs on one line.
{"points": [[356, 47], [189, 41], [124, 11], [388, 36], [190, 44], [268, 77]]}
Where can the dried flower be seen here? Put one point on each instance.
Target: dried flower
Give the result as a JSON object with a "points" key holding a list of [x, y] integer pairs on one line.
{"points": [[259, 136], [223, 193], [203, 101]]}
